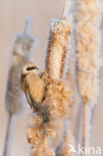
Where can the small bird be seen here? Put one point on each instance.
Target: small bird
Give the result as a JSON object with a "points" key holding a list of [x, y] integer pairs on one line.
{"points": [[34, 88]]}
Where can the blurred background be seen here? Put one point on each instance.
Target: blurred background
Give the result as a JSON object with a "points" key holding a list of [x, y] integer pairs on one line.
{"points": [[13, 14]]}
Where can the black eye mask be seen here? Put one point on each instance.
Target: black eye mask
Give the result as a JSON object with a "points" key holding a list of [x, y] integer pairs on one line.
{"points": [[31, 68]]}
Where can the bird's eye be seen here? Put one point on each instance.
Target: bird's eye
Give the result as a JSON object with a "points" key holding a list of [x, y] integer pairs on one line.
{"points": [[31, 68]]}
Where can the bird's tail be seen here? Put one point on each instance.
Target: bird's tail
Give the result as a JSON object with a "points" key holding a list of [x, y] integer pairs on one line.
{"points": [[43, 111]]}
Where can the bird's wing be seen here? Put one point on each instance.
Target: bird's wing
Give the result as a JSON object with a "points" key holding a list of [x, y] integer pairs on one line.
{"points": [[30, 101], [36, 87]]}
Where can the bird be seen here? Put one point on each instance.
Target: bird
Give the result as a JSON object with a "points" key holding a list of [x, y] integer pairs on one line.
{"points": [[34, 88]]}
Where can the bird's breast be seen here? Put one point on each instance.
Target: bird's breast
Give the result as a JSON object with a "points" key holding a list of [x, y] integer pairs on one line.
{"points": [[36, 88]]}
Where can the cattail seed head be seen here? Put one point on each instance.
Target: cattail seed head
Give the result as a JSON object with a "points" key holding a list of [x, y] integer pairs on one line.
{"points": [[57, 47], [20, 54]]}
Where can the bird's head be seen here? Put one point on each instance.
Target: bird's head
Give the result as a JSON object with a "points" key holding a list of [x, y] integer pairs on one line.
{"points": [[28, 68]]}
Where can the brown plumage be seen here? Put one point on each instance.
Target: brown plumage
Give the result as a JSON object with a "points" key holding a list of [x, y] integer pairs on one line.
{"points": [[34, 88]]}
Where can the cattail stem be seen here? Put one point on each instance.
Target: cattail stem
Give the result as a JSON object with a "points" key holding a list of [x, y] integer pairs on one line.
{"points": [[8, 136], [84, 126], [28, 25], [64, 9]]}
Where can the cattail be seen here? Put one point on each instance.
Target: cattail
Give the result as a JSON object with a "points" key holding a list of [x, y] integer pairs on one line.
{"points": [[88, 60], [57, 93], [14, 97], [58, 44], [45, 137], [58, 47], [20, 54]]}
